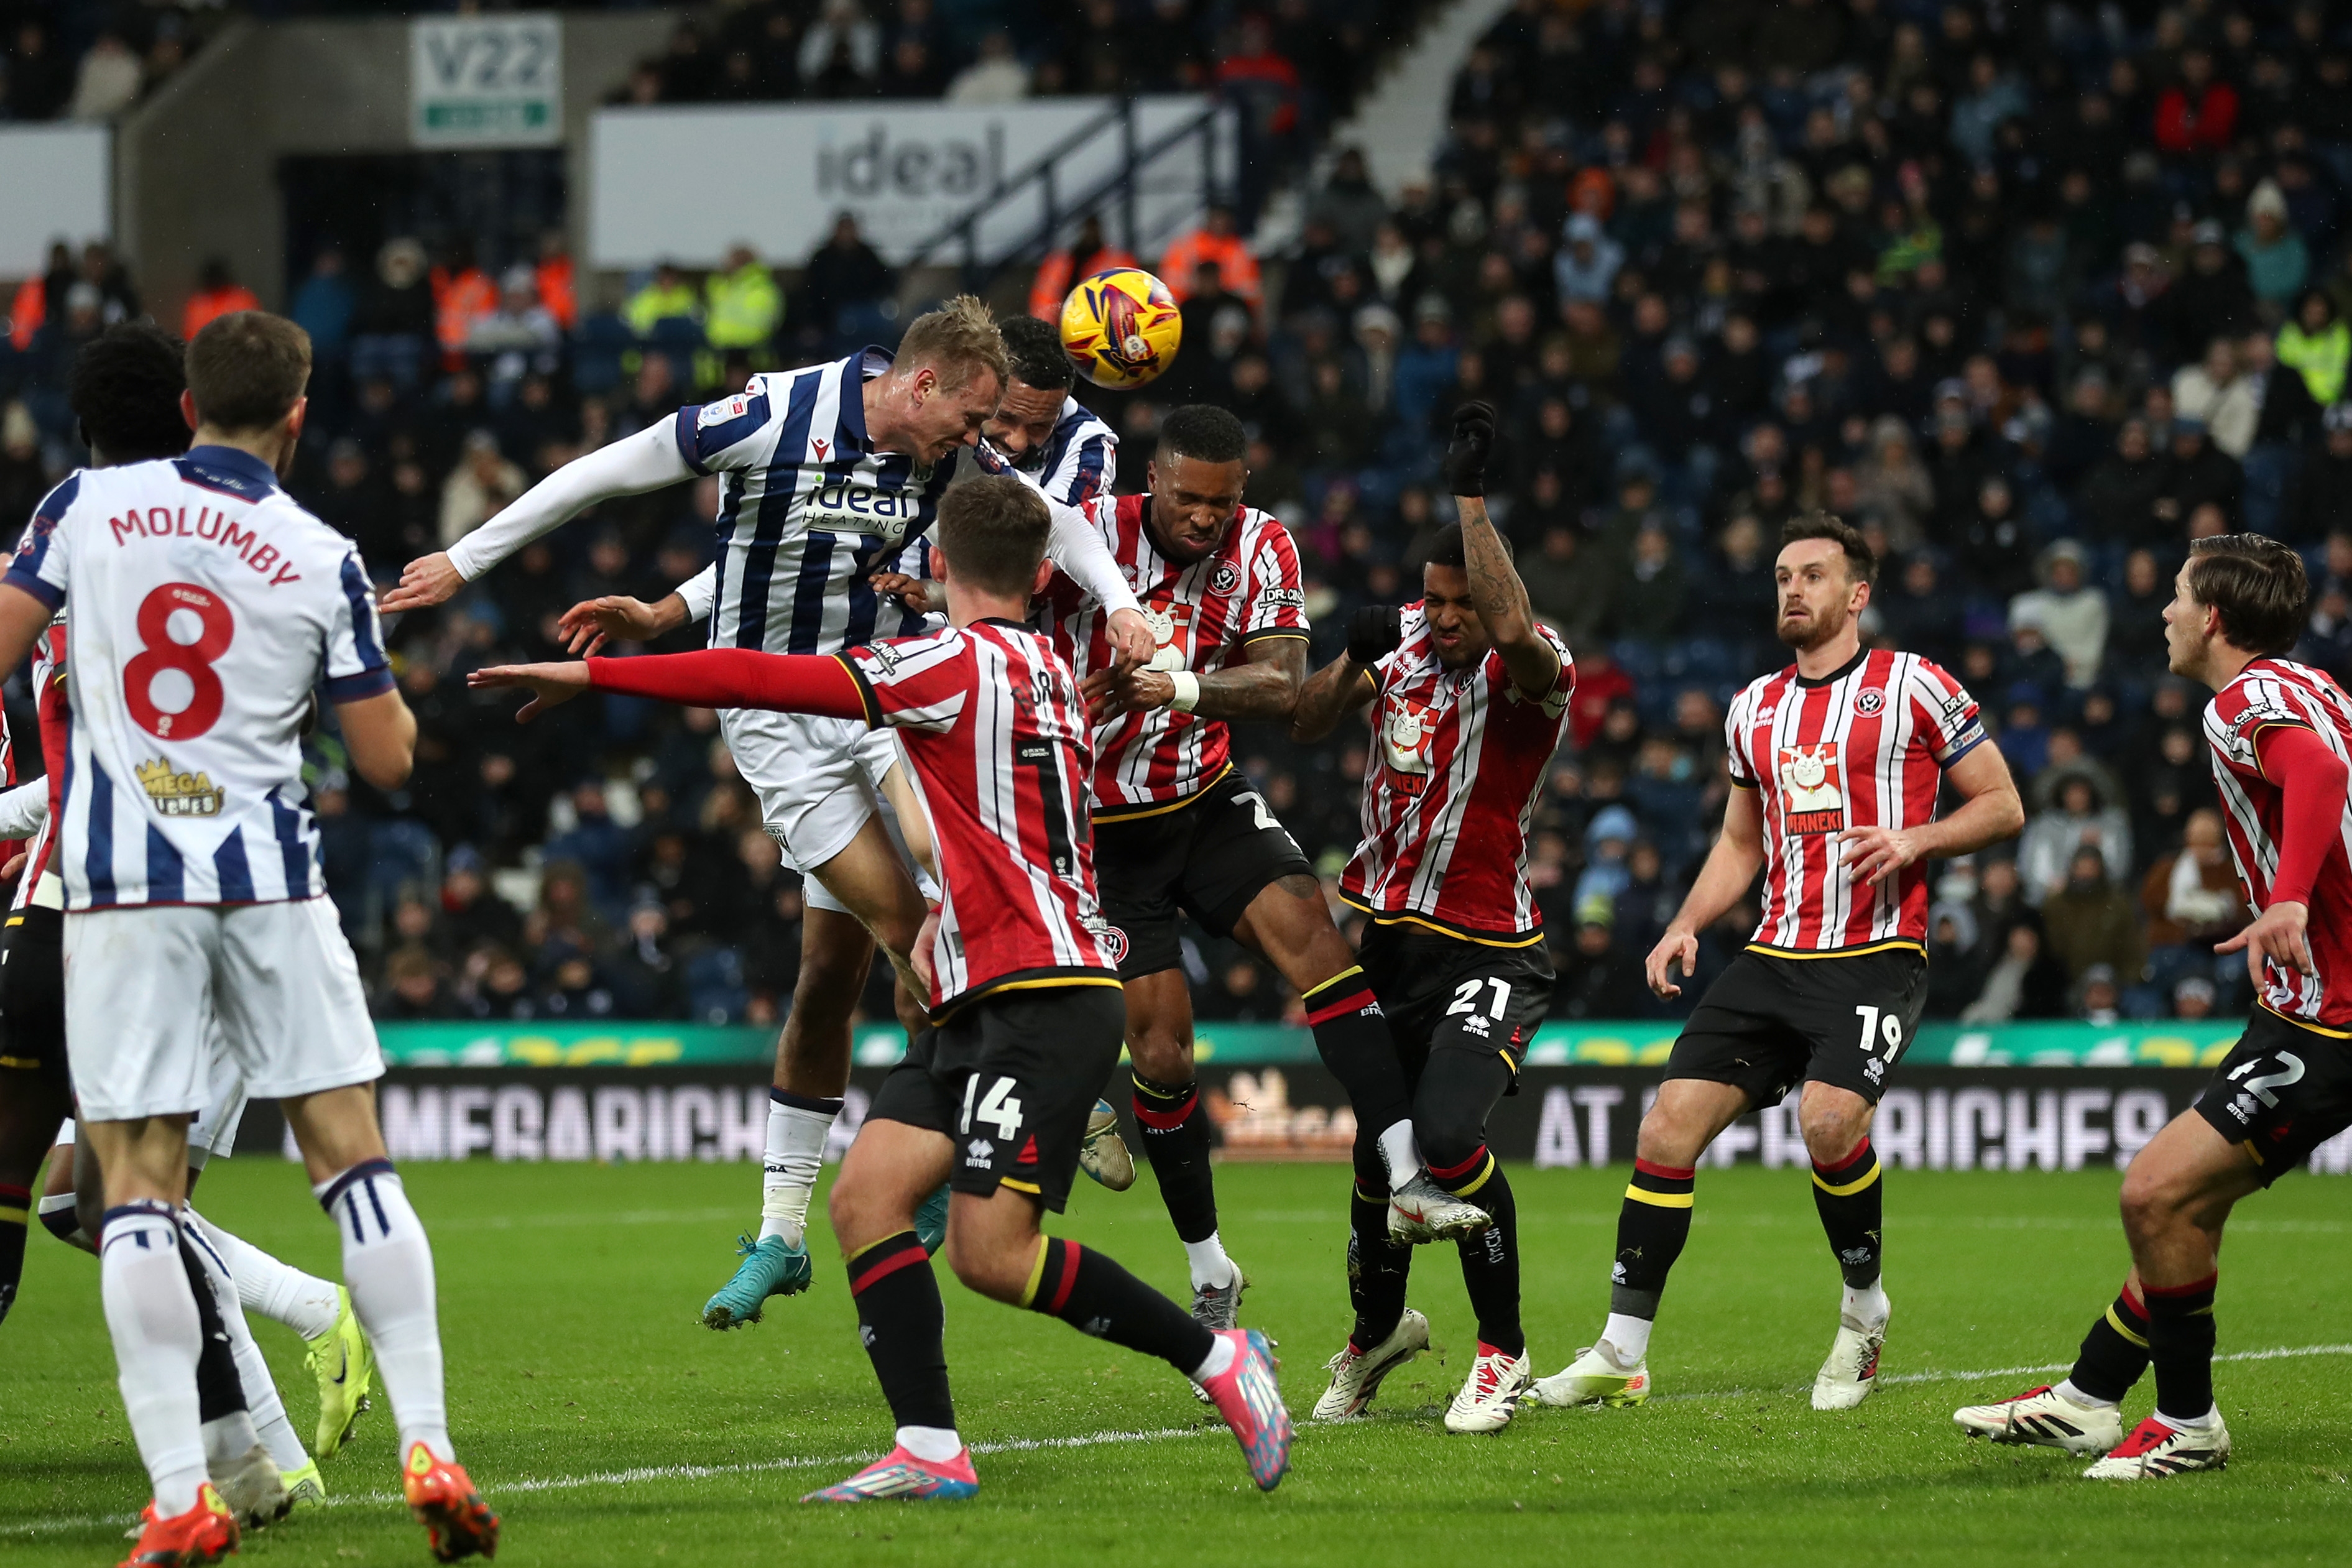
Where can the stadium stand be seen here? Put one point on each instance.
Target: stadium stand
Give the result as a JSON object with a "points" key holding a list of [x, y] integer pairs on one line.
{"points": [[2034, 295]]}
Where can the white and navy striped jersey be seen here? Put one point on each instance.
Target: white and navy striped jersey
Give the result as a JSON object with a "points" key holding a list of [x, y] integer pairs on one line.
{"points": [[808, 511], [997, 738], [206, 605], [1079, 460], [2280, 692]]}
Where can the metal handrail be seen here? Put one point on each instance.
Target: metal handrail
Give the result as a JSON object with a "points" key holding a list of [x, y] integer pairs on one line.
{"points": [[1046, 172]]}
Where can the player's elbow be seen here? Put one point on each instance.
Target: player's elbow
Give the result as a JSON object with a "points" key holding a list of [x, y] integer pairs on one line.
{"points": [[380, 734]]}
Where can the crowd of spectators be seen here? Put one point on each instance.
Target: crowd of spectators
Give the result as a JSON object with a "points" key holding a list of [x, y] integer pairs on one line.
{"points": [[2033, 295], [88, 61]]}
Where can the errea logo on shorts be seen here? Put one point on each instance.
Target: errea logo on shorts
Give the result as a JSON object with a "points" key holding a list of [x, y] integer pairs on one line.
{"points": [[175, 793], [980, 1154]]}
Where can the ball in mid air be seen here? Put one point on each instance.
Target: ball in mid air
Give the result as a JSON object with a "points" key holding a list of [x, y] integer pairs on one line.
{"points": [[1120, 328]]}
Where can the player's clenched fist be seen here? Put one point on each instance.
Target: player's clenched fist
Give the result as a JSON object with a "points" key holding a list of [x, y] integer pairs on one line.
{"points": [[1375, 632], [1466, 454]]}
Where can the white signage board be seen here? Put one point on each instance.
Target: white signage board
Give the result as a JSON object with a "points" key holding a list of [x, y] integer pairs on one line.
{"points": [[485, 81], [684, 184], [55, 183]]}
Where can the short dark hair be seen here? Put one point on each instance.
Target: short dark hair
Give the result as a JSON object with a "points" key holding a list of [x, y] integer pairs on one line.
{"points": [[2257, 584], [1204, 431], [1034, 349], [1861, 565], [247, 369], [125, 389], [1446, 548], [994, 532]]}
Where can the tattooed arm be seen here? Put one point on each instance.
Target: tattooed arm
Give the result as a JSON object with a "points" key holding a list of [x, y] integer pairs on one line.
{"points": [[1494, 585]]}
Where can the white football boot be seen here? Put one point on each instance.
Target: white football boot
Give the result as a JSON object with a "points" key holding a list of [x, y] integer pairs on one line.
{"points": [[2157, 1449], [1597, 1377], [1846, 1379], [2045, 1418], [1422, 1211], [1356, 1378], [1491, 1394]]}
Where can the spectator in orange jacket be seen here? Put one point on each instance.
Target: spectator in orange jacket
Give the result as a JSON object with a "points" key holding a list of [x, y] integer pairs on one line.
{"points": [[558, 290], [217, 293], [462, 294], [1089, 255], [1215, 241]]}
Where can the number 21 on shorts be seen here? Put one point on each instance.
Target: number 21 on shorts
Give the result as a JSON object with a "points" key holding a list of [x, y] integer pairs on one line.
{"points": [[174, 669]]}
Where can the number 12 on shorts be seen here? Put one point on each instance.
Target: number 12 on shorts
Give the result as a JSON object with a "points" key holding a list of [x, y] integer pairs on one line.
{"points": [[997, 1108]]}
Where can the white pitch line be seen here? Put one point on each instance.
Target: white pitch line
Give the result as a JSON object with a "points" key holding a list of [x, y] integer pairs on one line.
{"points": [[1040, 1445]]}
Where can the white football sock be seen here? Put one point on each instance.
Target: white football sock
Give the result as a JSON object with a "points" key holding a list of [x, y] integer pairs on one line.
{"points": [[388, 1268], [1629, 1337], [1220, 1362], [278, 1291], [2204, 1423], [1399, 1154], [937, 1444], [796, 1139], [2066, 1390], [229, 1438], [1211, 1270], [268, 1411], [1868, 1306], [151, 1314]]}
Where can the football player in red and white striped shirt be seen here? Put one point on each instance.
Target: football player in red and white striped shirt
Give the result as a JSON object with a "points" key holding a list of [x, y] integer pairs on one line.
{"points": [[1838, 759], [993, 1099], [1177, 827], [1471, 695], [2281, 734]]}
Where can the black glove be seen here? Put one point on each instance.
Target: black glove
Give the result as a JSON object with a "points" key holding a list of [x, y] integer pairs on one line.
{"points": [[1374, 634], [1466, 456]]}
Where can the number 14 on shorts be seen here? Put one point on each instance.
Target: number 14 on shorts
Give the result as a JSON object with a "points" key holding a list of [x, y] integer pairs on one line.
{"points": [[998, 1108]]}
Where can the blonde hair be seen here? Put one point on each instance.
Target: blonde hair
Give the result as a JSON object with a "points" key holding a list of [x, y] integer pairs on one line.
{"points": [[959, 339]]}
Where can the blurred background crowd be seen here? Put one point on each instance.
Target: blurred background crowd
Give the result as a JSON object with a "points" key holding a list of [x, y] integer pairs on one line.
{"points": [[2035, 294]]}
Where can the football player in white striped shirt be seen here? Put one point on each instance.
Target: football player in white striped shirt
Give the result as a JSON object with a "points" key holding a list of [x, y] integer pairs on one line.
{"points": [[206, 606], [829, 473]]}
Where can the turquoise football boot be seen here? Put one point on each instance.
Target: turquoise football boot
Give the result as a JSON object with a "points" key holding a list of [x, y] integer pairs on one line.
{"points": [[932, 1222], [769, 1267]]}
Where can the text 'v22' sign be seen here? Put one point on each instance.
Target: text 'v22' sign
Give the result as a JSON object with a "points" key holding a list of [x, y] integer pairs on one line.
{"points": [[485, 81]]}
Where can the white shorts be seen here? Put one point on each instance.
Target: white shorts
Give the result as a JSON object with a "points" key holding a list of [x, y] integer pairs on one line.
{"points": [[818, 780], [144, 986], [213, 1133]]}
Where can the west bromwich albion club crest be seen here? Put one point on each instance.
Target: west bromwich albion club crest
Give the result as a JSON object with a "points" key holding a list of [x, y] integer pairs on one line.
{"points": [[1812, 788]]}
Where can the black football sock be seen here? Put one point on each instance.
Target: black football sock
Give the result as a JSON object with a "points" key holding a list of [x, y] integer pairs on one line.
{"points": [[16, 1213], [1490, 1265], [220, 1392], [2114, 1352], [902, 1320], [1175, 1128], [1353, 1039], [1378, 1269], [1095, 1296], [1651, 1226], [2180, 1347], [1851, 1199]]}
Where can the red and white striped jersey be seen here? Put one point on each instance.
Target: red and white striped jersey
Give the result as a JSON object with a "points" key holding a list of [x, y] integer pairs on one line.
{"points": [[2278, 692], [997, 739], [1458, 761], [1205, 616], [40, 884], [1862, 747]]}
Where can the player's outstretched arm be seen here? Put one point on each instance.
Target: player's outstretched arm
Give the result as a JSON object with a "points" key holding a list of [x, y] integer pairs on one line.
{"points": [[820, 684], [1076, 548], [645, 461], [1730, 869], [380, 732], [1494, 585], [1347, 683], [1990, 812]]}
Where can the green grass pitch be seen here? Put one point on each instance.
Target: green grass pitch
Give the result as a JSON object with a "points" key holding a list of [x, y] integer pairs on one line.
{"points": [[609, 1427]]}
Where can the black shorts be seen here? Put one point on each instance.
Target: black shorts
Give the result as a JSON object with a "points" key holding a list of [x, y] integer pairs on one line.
{"points": [[1770, 1023], [1208, 858], [1010, 1081], [33, 994], [1442, 993], [2281, 1092]]}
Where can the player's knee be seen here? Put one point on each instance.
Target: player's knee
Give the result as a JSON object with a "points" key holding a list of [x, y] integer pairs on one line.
{"points": [[1833, 1133], [2151, 1201], [987, 1267], [1162, 1055], [1670, 1138]]}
